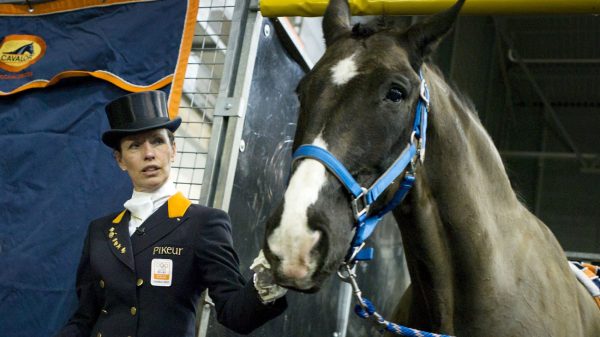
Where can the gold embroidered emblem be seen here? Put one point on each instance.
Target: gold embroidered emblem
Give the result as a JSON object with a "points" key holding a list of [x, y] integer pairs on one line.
{"points": [[17, 52], [112, 235]]}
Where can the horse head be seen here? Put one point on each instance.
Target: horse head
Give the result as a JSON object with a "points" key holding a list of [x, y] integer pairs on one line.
{"points": [[358, 103], [28, 48]]}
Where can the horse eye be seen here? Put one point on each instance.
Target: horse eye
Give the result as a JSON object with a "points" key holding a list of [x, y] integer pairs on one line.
{"points": [[395, 95]]}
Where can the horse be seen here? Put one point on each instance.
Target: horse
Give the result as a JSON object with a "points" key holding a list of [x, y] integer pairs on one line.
{"points": [[28, 48], [480, 263]]}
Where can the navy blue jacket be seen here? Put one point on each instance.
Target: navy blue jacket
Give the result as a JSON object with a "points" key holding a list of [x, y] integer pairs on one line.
{"points": [[116, 297]]}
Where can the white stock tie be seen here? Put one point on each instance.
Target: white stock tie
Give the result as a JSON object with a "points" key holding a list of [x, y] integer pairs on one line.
{"points": [[141, 208]]}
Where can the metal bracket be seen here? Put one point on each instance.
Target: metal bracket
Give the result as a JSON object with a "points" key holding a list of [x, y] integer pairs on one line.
{"points": [[230, 107], [362, 208]]}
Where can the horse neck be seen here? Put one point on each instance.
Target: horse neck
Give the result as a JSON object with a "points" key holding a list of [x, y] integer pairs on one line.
{"points": [[463, 167], [459, 206]]}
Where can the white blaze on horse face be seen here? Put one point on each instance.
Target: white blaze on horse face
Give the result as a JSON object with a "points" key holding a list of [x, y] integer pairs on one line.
{"points": [[293, 240], [344, 70]]}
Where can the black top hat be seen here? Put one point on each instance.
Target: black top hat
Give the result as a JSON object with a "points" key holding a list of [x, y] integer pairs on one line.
{"points": [[137, 112]]}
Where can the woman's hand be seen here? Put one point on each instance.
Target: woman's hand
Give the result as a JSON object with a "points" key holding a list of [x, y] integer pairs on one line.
{"points": [[268, 290]]}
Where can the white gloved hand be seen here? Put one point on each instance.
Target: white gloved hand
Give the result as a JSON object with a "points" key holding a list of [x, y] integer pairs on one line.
{"points": [[268, 291]]}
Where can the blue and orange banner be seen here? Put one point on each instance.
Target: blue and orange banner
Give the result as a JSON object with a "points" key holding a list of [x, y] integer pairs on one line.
{"points": [[59, 66], [136, 45]]}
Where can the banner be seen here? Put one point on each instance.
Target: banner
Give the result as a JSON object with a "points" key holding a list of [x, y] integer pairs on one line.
{"points": [[59, 66]]}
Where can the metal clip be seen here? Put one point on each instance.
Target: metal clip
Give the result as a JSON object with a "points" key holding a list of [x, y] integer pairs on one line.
{"points": [[413, 139], [424, 93], [347, 273], [418, 146], [363, 208], [413, 165]]}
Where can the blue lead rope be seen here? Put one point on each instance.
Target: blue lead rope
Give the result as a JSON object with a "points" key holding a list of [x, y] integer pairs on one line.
{"points": [[388, 326], [365, 309]]}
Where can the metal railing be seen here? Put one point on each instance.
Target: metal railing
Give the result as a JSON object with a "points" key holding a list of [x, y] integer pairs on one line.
{"points": [[200, 94]]}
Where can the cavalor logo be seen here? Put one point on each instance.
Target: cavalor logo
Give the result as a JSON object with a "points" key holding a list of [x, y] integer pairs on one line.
{"points": [[18, 52]]}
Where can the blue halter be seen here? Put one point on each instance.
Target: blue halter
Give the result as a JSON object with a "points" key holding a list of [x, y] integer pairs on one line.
{"points": [[363, 198]]}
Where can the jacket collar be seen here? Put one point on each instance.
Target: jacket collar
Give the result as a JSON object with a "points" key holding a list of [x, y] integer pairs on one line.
{"points": [[177, 206], [159, 224]]}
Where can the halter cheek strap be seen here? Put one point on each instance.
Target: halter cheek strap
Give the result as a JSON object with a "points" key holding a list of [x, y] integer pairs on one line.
{"points": [[363, 197]]}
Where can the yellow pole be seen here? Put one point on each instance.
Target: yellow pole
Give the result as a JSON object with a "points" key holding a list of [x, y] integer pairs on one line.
{"points": [[273, 8]]}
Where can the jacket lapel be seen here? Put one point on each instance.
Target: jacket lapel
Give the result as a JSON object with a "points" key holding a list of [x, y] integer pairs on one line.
{"points": [[117, 238], [168, 217]]}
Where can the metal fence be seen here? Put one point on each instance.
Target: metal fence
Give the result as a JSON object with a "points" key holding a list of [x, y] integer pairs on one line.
{"points": [[200, 94]]}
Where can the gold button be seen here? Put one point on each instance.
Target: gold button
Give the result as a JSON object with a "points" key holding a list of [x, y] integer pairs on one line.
{"points": [[133, 311], [140, 282], [101, 283]]}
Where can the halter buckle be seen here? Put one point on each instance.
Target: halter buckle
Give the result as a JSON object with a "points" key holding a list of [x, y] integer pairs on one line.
{"points": [[424, 93], [413, 139], [360, 206]]}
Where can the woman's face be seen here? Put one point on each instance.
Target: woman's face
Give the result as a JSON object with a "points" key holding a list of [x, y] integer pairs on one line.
{"points": [[147, 158]]}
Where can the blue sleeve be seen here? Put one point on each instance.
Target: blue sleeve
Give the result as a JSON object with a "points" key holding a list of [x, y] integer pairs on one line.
{"points": [[236, 301]]}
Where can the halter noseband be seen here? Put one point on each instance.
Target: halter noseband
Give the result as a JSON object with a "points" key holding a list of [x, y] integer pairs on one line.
{"points": [[363, 198]]}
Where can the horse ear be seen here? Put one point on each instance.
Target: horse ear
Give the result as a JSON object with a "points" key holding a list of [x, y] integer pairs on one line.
{"points": [[425, 36], [336, 20]]}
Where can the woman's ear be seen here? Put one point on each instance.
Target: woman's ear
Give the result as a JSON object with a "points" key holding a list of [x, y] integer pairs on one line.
{"points": [[119, 159], [174, 152]]}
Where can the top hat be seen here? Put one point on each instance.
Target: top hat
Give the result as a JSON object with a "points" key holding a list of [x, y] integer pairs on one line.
{"points": [[137, 112]]}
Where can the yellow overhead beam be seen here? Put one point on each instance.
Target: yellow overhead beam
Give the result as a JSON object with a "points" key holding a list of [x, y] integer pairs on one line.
{"points": [[273, 8]]}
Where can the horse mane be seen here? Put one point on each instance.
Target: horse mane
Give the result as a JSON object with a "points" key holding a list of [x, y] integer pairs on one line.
{"points": [[363, 30], [461, 96]]}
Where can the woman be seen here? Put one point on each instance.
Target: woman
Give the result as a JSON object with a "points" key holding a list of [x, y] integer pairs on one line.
{"points": [[142, 269]]}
